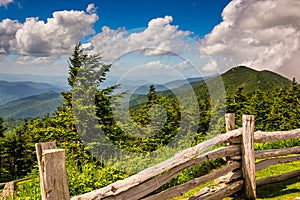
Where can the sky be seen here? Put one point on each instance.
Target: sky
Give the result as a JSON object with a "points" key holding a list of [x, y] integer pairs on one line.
{"points": [[157, 40]]}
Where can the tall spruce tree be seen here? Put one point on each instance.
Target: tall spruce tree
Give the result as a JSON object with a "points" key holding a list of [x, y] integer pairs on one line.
{"points": [[2, 128]]}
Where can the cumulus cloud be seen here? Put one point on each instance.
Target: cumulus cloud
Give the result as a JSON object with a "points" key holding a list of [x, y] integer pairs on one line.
{"points": [[32, 60], [5, 2], [156, 65], [91, 8], [184, 64], [260, 34], [211, 66], [8, 30], [56, 36], [159, 38]]}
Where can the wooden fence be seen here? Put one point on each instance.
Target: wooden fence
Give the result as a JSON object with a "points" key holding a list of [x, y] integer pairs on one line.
{"points": [[238, 174], [9, 188]]}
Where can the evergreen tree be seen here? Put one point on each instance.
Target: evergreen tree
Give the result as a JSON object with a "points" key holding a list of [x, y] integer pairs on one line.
{"points": [[151, 95], [2, 128]]}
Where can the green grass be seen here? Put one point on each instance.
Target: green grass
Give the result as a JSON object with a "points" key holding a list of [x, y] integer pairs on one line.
{"points": [[193, 191], [27, 190], [288, 189], [285, 190]]}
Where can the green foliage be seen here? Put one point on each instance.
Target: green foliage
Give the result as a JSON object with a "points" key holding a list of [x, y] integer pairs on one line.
{"points": [[275, 108], [2, 127], [33, 106], [162, 116]]}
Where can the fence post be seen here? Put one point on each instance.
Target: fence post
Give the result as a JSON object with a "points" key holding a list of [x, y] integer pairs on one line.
{"points": [[248, 159], [230, 121], [52, 167]]}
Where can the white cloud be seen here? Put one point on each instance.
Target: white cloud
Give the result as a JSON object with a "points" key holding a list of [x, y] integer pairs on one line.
{"points": [[57, 36], [259, 34], [32, 60], [184, 64], [211, 66], [91, 8], [159, 38], [5, 2], [156, 65], [8, 29]]}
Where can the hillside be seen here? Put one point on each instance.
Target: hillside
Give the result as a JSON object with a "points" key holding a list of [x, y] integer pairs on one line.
{"points": [[251, 79], [33, 106], [10, 91], [238, 76]]}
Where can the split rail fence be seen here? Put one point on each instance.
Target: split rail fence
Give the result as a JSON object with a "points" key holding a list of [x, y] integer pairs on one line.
{"points": [[238, 174]]}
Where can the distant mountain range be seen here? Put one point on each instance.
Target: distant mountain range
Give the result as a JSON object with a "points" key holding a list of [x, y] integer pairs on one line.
{"points": [[249, 78], [58, 81], [11, 91], [144, 88], [31, 99], [33, 106]]}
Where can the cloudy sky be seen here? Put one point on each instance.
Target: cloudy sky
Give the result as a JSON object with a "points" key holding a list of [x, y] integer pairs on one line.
{"points": [[168, 39]]}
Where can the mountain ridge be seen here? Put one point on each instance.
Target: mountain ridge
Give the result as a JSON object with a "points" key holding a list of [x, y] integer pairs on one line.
{"points": [[250, 79], [10, 91], [33, 106]]}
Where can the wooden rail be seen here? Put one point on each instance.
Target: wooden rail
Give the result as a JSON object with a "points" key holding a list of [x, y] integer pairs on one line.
{"points": [[238, 174]]}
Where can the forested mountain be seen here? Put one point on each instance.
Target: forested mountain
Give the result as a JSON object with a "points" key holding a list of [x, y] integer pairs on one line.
{"points": [[10, 91], [248, 78], [31, 107], [240, 76], [143, 89], [251, 79]]}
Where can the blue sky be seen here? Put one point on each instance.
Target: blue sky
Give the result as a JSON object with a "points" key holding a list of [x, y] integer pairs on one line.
{"points": [[158, 38], [198, 16]]}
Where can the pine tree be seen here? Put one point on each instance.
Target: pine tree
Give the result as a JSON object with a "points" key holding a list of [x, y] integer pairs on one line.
{"points": [[151, 95], [2, 128]]}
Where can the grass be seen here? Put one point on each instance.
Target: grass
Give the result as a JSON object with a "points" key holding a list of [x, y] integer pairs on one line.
{"points": [[289, 189], [27, 190], [285, 190]]}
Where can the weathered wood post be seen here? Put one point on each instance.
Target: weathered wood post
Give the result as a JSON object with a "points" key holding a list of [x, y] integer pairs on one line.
{"points": [[230, 126], [248, 158], [230, 121], [8, 190], [53, 175]]}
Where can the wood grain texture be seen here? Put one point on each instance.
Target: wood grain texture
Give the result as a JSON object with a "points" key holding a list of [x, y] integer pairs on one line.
{"points": [[278, 178], [55, 175], [276, 152], [230, 122], [40, 147], [179, 159], [273, 161], [224, 191], [260, 136], [183, 188], [248, 159], [149, 186]]}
